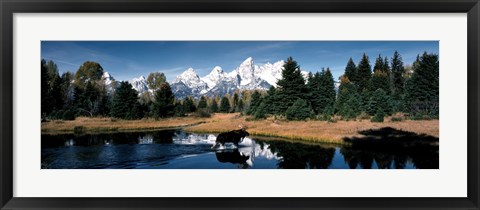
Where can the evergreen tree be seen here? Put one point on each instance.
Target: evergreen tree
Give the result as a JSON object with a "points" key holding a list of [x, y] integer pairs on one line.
{"points": [[379, 99], [397, 74], [379, 65], [225, 105], [179, 110], [271, 102], [379, 115], [327, 90], [47, 99], [163, 106], [125, 102], [202, 104], [300, 110], [254, 102], [386, 67], [235, 102], [240, 106], [261, 112], [214, 106], [422, 95], [351, 71], [381, 80], [189, 105], [348, 103], [364, 73], [291, 87]]}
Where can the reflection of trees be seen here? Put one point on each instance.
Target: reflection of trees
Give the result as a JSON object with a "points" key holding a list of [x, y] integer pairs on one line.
{"points": [[391, 148], [232, 156], [158, 137], [300, 156]]}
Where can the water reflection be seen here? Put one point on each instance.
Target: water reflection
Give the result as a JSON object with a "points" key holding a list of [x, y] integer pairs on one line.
{"points": [[177, 149], [391, 148]]}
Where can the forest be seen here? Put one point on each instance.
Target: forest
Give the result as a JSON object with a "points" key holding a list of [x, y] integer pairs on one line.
{"points": [[386, 89]]}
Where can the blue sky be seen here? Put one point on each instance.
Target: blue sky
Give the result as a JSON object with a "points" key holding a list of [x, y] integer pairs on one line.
{"points": [[125, 60]]}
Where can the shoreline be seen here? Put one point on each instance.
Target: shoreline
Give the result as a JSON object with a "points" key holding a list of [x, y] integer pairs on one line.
{"points": [[305, 131]]}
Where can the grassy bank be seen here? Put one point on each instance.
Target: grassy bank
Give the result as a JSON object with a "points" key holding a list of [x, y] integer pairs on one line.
{"points": [[314, 131], [95, 125]]}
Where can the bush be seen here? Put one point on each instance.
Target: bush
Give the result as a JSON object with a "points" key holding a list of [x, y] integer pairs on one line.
{"points": [[68, 115], [397, 119], [300, 110], [363, 116], [379, 116], [202, 113]]}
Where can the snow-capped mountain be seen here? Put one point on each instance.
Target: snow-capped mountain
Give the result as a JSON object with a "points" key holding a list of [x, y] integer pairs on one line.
{"points": [[247, 76], [139, 84], [216, 75], [109, 82]]}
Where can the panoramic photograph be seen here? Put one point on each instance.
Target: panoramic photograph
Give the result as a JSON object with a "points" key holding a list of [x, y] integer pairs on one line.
{"points": [[239, 104]]}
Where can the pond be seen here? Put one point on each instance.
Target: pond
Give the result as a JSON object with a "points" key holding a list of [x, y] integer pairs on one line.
{"points": [[176, 149]]}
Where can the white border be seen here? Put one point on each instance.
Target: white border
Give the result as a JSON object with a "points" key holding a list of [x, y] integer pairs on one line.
{"points": [[449, 181]]}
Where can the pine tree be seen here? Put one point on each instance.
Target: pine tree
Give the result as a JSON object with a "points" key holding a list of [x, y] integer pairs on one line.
{"points": [[261, 111], [189, 105], [240, 106], [291, 87], [379, 99], [348, 103], [364, 73], [271, 101], [225, 105], [235, 102], [397, 74], [379, 115], [327, 90], [202, 104], [254, 102], [163, 106], [125, 102], [47, 99], [422, 95], [300, 110], [351, 71], [381, 80], [178, 109], [379, 65], [214, 106]]}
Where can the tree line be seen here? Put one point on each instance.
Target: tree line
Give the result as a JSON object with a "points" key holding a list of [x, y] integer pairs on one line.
{"points": [[390, 87]]}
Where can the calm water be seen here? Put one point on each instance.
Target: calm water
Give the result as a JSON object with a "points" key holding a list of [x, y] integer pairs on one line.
{"points": [[175, 149]]}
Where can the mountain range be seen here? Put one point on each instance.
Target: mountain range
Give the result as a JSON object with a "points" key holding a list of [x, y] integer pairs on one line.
{"points": [[246, 76]]}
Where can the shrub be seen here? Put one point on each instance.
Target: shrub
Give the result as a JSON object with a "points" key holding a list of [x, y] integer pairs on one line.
{"points": [[300, 110], [68, 115], [379, 116], [202, 113], [397, 119]]}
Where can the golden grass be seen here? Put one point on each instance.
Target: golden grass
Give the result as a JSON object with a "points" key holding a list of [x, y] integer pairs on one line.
{"points": [[109, 124], [316, 131], [313, 131]]}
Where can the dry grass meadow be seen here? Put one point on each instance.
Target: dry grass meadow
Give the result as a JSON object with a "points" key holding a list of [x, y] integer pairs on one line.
{"points": [[315, 131]]}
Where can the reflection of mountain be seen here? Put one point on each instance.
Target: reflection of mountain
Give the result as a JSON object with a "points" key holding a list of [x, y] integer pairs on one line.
{"points": [[391, 148]]}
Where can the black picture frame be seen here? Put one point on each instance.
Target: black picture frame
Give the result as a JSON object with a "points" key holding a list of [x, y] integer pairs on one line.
{"points": [[10, 7]]}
